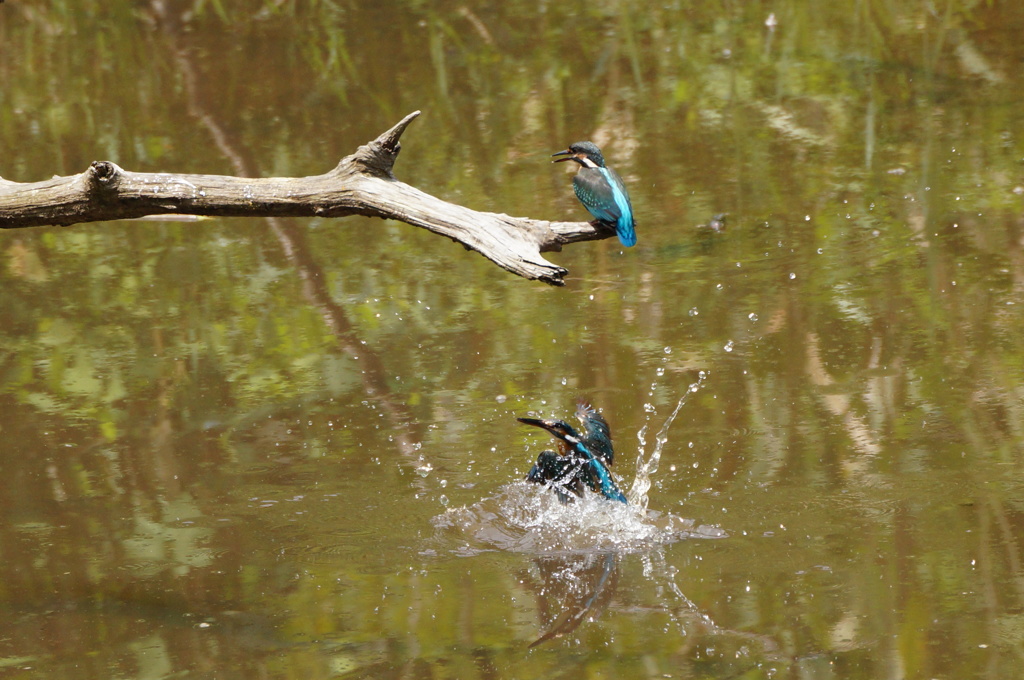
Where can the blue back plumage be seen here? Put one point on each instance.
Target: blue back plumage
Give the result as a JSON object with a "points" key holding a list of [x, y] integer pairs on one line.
{"points": [[603, 194], [625, 227], [601, 477]]}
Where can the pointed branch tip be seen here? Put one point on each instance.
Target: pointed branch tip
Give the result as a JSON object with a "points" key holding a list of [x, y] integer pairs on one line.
{"points": [[389, 140]]}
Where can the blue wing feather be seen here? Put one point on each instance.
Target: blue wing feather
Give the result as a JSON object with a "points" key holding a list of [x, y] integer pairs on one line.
{"points": [[596, 432], [625, 226], [602, 192], [605, 483]]}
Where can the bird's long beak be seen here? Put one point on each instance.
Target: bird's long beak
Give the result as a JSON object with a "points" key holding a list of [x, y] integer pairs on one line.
{"points": [[537, 422], [568, 156]]}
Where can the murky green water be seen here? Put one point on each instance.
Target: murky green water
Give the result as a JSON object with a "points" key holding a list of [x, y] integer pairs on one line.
{"points": [[251, 448]]}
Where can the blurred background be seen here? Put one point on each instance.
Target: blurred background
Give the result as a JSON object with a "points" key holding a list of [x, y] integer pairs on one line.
{"points": [[233, 447]]}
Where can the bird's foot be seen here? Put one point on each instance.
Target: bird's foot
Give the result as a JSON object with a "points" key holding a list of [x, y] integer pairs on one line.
{"points": [[603, 226]]}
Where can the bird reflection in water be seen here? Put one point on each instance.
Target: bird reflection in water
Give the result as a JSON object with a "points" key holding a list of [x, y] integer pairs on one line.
{"points": [[572, 589]]}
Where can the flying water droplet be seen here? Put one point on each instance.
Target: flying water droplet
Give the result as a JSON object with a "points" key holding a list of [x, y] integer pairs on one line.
{"points": [[752, 316], [728, 346], [647, 467]]}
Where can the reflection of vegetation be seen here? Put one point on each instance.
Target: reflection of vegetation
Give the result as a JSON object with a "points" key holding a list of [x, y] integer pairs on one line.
{"points": [[868, 158]]}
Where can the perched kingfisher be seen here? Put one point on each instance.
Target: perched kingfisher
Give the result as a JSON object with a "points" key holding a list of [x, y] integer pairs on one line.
{"points": [[582, 458], [600, 190]]}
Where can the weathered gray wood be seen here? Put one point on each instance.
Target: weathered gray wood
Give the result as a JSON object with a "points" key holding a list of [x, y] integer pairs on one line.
{"points": [[361, 184]]}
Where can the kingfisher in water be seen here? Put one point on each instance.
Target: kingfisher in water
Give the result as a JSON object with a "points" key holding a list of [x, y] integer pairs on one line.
{"points": [[583, 458], [600, 190]]}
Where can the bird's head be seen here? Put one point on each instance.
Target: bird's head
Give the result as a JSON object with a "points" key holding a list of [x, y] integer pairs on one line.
{"points": [[585, 153]]}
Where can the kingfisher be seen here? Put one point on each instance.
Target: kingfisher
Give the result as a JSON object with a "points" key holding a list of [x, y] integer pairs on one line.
{"points": [[583, 457], [600, 190]]}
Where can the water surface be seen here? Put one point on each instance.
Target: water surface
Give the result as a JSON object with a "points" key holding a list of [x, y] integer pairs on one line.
{"points": [[289, 448]]}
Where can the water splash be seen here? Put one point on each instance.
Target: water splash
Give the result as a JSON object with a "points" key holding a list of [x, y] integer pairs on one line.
{"points": [[528, 518], [646, 467]]}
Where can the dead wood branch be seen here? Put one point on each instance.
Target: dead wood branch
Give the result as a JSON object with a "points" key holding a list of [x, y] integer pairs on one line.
{"points": [[361, 184]]}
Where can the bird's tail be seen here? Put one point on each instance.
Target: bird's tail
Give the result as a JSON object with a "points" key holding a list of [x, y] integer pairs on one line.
{"points": [[626, 229]]}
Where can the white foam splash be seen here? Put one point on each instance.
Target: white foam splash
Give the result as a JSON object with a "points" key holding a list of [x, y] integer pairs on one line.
{"points": [[528, 518]]}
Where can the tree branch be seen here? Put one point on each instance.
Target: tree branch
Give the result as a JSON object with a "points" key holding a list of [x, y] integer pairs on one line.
{"points": [[362, 184]]}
